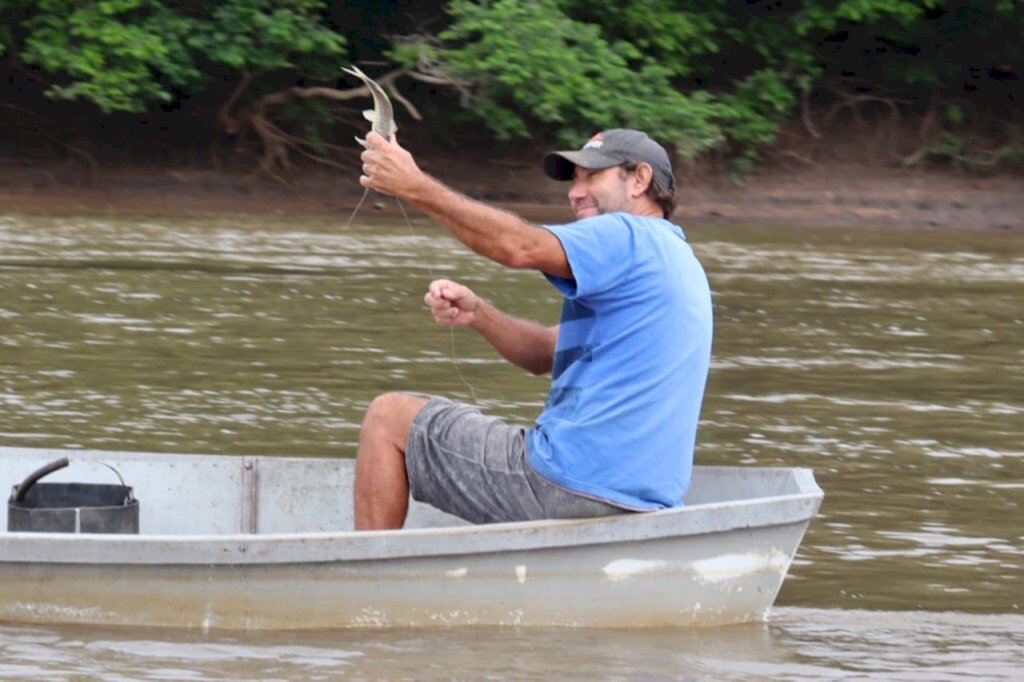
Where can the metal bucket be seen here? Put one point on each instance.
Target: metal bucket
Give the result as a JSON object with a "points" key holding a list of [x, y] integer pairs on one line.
{"points": [[71, 507]]}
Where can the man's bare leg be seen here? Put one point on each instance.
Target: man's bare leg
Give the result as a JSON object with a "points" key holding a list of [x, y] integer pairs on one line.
{"points": [[381, 485]]}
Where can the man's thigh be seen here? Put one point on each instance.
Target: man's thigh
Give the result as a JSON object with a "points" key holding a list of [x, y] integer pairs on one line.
{"points": [[475, 467]]}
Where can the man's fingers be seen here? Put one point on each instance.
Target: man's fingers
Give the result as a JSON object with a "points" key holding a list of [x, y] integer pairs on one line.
{"points": [[445, 300], [374, 140], [437, 298], [453, 292], [440, 287], [435, 301]]}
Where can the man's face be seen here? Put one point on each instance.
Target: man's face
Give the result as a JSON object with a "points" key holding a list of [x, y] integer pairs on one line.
{"points": [[595, 192]]}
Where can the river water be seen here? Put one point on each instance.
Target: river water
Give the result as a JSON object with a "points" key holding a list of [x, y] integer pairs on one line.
{"points": [[887, 361]]}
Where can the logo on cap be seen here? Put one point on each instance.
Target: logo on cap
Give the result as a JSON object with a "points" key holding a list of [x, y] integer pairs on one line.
{"points": [[596, 142]]}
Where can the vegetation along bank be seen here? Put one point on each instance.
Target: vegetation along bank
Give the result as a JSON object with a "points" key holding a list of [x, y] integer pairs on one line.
{"points": [[758, 94]]}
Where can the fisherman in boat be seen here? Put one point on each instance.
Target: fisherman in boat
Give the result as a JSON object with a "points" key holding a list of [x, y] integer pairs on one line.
{"points": [[628, 360]]}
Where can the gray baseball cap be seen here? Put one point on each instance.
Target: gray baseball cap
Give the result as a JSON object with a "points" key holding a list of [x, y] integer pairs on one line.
{"points": [[612, 148]]}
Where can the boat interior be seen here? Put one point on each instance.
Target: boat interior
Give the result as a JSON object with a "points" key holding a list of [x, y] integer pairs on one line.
{"points": [[225, 494]]}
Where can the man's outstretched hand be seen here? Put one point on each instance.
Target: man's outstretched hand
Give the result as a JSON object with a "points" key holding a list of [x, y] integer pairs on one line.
{"points": [[451, 303]]}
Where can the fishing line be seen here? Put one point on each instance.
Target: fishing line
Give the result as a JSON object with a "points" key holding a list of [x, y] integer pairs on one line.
{"points": [[356, 209], [430, 269], [451, 327], [382, 118]]}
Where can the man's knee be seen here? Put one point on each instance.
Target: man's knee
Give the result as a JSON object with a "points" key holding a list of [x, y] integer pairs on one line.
{"points": [[390, 415], [394, 406]]}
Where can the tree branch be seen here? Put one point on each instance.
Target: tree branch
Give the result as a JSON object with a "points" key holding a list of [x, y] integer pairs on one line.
{"points": [[230, 123], [276, 142]]}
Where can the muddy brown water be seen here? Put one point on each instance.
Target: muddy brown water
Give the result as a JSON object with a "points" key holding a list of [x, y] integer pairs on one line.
{"points": [[889, 362]]}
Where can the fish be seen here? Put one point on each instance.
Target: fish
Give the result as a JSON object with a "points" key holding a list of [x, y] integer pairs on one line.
{"points": [[382, 116]]}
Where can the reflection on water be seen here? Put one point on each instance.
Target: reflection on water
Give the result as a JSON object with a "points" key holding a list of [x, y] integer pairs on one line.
{"points": [[799, 644], [888, 362]]}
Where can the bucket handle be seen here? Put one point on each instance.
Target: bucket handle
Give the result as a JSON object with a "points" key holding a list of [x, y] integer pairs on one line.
{"points": [[57, 465], [127, 490], [34, 477]]}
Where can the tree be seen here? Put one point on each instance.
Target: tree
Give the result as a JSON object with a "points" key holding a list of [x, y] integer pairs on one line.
{"points": [[530, 65], [130, 55], [702, 75]]}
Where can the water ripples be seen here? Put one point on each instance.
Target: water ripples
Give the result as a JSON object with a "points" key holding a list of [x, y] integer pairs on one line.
{"points": [[798, 644], [886, 362]]}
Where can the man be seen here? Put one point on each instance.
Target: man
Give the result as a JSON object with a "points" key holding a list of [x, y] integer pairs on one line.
{"points": [[629, 359]]}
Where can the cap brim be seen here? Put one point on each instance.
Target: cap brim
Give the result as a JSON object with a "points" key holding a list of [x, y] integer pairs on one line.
{"points": [[561, 165]]}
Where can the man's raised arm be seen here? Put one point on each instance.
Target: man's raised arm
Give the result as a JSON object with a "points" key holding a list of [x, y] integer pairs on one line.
{"points": [[496, 234]]}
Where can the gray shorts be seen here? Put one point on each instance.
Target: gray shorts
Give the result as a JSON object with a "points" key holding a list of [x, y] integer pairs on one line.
{"points": [[475, 467]]}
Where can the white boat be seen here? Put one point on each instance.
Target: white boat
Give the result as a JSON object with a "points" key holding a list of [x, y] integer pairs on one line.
{"points": [[253, 543]]}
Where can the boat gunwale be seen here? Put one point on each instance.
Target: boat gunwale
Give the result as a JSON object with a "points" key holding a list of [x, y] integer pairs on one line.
{"points": [[352, 546], [798, 504]]}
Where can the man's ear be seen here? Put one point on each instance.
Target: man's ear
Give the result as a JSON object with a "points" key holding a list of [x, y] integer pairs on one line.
{"points": [[642, 178]]}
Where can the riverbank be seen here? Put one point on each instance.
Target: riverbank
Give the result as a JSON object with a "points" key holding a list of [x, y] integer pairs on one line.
{"points": [[848, 195]]}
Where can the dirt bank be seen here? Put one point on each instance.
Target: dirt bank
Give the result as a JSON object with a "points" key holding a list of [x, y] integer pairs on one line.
{"points": [[847, 195]]}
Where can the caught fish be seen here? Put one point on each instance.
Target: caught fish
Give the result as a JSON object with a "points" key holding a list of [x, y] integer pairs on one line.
{"points": [[382, 116], [382, 120]]}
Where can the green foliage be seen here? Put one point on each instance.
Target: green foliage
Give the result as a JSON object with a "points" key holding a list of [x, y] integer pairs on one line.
{"points": [[955, 147], [108, 59], [5, 30], [952, 147], [698, 74], [689, 72], [263, 35], [954, 114], [918, 48], [753, 113], [531, 64], [826, 15], [127, 54], [679, 34]]}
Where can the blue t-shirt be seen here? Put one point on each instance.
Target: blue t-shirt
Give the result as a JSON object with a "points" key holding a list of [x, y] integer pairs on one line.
{"points": [[630, 365]]}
